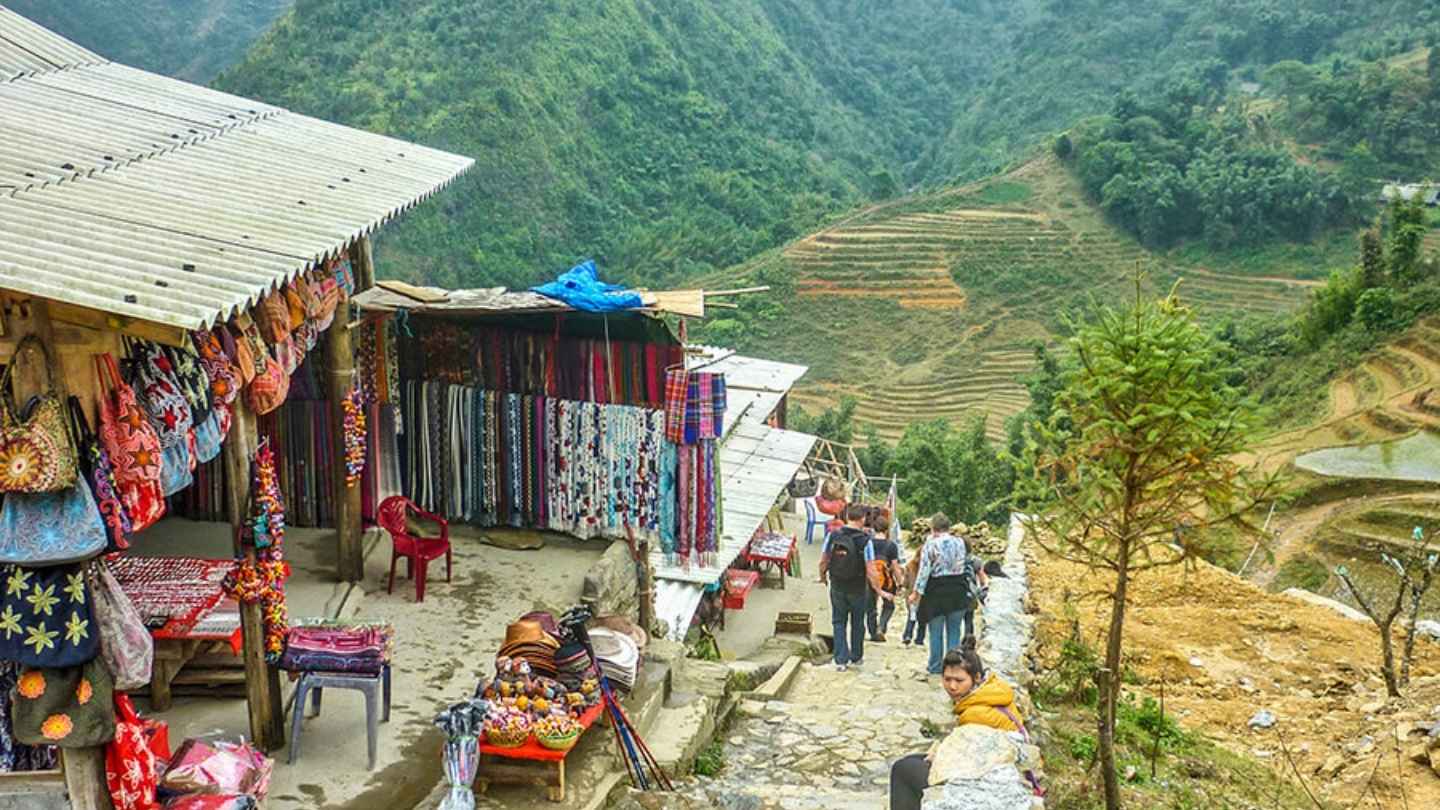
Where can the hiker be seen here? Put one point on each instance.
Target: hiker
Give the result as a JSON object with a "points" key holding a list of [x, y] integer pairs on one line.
{"points": [[943, 590], [978, 697], [914, 628], [845, 565], [886, 562]]}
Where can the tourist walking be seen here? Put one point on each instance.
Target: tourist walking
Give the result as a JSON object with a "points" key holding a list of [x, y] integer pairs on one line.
{"points": [[977, 697], [943, 590], [845, 565], [914, 628], [885, 559]]}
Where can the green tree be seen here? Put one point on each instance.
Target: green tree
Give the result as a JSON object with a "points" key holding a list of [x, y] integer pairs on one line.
{"points": [[1372, 259], [1375, 308], [1144, 468], [953, 469], [1407, 237]]}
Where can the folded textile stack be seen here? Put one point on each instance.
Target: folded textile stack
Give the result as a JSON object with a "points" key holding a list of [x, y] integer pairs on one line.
{"points": [[573, 667], [618, 656], [526, 640], [362, 649]]}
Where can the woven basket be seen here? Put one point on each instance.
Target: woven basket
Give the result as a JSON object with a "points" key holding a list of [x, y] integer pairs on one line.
{"points": [[562, 742], [506, 738]]}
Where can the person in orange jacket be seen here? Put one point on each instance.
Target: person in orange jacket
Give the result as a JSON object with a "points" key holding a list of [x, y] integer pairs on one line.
{"points": [[979, 697]]}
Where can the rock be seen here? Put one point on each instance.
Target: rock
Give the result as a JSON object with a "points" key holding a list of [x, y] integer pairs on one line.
{"points": [[1429, 628], [1332, 765], [514, 539], [1419, 753], [1373, 707], [609, 586], [1131, 773], [1263, 719], [1197, 663], [1362, 746]]}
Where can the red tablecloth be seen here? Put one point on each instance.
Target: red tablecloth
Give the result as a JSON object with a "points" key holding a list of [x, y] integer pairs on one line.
{"points": [[533, 750], [186, 593]]}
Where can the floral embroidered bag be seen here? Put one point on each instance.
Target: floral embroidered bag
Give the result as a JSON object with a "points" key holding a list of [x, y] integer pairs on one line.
{"points": [[96, 465], [159, 392], [224, 379], [132, 446], [191, 379], [36, 453], [72, 707], [132, 768], [51, 528], [47, 616]]}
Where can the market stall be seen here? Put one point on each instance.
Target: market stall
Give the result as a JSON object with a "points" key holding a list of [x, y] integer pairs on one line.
{"points": [[152, 332]]}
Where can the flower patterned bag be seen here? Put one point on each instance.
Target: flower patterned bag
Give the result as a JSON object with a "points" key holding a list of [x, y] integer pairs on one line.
{"points": [[51, 528], [72, 707], [224, 380], [96, 465], [47, 616], [132, 768], [36, 453], [159, 392], [125, 644], [132, 446], [191, 379]]}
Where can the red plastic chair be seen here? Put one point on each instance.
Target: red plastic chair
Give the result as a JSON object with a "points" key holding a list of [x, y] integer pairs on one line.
{"points": [[417, 551]]}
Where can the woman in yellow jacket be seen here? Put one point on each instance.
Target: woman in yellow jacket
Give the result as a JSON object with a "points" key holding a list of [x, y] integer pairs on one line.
{"points": [[980, 698]]}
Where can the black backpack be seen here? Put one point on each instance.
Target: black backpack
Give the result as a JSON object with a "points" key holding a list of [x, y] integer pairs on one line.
{"points": [[847, 558]]}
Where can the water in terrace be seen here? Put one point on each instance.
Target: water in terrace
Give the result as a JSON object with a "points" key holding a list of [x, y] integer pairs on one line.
{"points": [[1415, 458]]}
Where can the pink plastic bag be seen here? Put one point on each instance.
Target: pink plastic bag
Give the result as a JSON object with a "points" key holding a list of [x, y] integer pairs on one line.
{"points": [[218, 768]]}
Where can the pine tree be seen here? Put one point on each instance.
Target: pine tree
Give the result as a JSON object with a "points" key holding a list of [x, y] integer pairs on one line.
{"points": [[1372, 259]]}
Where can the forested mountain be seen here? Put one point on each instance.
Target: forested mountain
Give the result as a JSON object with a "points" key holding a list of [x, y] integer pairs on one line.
{"points": [[188, 39], [669, 139]]}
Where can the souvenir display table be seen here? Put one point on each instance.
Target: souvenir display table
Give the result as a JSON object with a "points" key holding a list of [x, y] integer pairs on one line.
{"points": [[738, 585], [773, 550], [531, 763], [189, 616]]}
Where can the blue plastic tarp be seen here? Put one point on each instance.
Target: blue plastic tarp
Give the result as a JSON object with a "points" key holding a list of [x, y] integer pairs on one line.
{"points": [[581, 288]]}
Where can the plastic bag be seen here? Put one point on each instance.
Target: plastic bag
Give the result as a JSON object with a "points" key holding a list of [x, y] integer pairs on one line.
{"points": [[219, 801], [218, 767]]}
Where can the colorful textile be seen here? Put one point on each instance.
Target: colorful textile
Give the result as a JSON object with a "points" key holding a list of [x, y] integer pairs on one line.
{"points": [[944, 555], [364, 649], [16, 756], [677, 387], [694, 405]]}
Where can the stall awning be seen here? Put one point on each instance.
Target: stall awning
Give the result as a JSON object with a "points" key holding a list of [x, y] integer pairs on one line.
{"points": [[392, 296], [756, 462], [141, 196]]}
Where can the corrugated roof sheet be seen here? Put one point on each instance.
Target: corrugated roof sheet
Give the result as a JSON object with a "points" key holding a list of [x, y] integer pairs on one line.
{"points": [[144, 196]]}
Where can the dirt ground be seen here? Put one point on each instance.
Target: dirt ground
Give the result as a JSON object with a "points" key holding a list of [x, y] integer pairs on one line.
{"points": [[1226, 649]]}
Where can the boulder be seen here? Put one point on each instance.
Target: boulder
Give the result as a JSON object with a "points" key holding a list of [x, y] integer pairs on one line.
{"points": [[610, 586]]}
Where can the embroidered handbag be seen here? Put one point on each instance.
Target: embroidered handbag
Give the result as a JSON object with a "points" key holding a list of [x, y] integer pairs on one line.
{"points": [[343, 275], [306, 337], [159, 392], [177, 465], [132, 767], [289, 353], [326, 292], [36, 454], [224, 381], [208, 437], [297, 300], [51, 528], [267, 391], [272, 316], [132, 446], [47, 616], [96, 466], [249, 342], [125, 644], [191, 380], [72, 707]]}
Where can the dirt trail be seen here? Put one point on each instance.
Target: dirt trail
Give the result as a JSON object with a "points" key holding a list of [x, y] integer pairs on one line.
{"points": [[1225, 649]]}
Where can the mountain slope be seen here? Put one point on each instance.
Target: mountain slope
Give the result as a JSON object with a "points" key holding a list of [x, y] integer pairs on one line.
{"points": [[931, 306], [660, 138], [188, 39]]}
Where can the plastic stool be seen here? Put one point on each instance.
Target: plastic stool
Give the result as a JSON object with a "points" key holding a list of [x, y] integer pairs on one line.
{"points": [[371, 685]]}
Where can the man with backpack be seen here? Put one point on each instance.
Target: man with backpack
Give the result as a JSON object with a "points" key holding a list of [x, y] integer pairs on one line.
{"points": [[845, 565]]}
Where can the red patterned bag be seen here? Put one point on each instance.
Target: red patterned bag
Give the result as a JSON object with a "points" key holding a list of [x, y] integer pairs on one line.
{"points": [[133, 447], [132, 769], [224, 385], [272, 316]]}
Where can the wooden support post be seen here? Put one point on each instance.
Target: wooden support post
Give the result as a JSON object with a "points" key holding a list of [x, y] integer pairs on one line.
{"points": [[85, 778], [362, 261], [262, 681], [340, 357]]}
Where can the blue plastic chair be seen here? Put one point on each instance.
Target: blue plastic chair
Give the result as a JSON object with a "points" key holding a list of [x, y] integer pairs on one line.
{"points": [[812, 519]]}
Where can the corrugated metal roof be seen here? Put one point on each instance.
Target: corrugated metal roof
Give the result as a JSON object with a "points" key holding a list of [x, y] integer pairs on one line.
{"points": [[29, 48], [675, 603], [459, 302], [144, 196]]}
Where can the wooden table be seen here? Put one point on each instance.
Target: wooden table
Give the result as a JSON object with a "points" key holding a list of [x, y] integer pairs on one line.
{"points": [[777, 551], [531, 763]]}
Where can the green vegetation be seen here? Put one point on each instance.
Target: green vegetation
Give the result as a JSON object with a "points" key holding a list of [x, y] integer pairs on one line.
{"points": [[1135, 464], [711, 759], [1302, 572], [192, 40]]}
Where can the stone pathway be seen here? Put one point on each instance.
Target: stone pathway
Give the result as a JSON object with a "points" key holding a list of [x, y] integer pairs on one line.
{"points": [[830, 743]]}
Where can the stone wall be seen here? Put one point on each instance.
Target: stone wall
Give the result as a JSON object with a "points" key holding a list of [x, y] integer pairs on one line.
{"points": [[610, 587]]}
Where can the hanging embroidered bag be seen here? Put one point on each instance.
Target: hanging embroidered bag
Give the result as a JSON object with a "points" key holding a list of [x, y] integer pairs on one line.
{"points": [[159, 392], [297, 300], [209, 437], [191, 380], [96, 466], [224, 382], [125, 644], [177, 465], [326, 291], [132, 446], [132, 768], [47, 616], [51, 528], [267, 391], [36, 454], [249, 341], [72, 707], [272, 317]]}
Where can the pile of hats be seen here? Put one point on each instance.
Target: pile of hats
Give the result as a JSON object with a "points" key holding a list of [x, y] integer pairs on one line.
{"points": [[527, 640], [573, 667], [618, 655]]}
